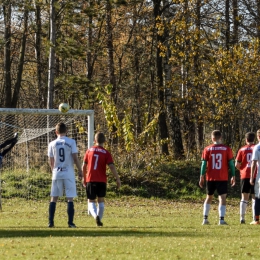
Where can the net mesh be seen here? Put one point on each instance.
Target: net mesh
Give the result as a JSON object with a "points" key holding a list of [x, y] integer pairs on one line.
{"points": [[25, 172]]}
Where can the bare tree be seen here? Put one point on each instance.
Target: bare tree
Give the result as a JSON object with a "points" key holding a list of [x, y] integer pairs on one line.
{"points": [[51, 73], [110, 52], [18, 81], [162, 125], [38, 53], [7, 11]]}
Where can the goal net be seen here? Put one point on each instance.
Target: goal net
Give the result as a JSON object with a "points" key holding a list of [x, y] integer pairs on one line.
{"points": [[25, 172]]}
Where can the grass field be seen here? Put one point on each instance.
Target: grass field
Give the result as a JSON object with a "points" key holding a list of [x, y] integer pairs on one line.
{"points": [[134, 228]]}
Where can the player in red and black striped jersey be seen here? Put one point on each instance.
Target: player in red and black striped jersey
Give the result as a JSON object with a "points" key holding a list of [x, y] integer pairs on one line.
{"points": [[94, 166], [243, 164], [216, 159]]}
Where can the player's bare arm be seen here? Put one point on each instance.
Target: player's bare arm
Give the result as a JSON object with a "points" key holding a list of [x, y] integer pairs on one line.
{"points": [[114, 171], [233, 172], [51, 163], [84, 172], [202, 180], [253, 168], [233, 181], [238, 165], [76, 161]]}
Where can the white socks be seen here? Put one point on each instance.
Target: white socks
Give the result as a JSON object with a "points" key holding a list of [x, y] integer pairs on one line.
{"points": [[206, 209], [100, 210], [253, 209], [222, 211], [92, 209], [243, 206], [96, 211]]}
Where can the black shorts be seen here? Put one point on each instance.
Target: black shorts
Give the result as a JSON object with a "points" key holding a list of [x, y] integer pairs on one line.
{"points": [[96, 189], [246, 187], [220, 186]]}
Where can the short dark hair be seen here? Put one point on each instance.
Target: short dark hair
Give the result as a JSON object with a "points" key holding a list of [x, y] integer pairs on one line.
{"points": [[216, 134], [250, 137], [100, 137], [61, 128]]}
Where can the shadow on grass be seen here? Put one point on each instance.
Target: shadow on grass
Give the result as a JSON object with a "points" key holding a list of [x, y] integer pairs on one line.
{"points": [[98, 232]]}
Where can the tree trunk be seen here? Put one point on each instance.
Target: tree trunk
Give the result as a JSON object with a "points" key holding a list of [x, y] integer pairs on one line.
{"points": [[172, 114], [7, 54], [227, 19], [236, 21], [258, 19], [197, 70], [110, 50], [90, 36], [42, 92], [137, 120], [162, 125], [111, 65], [18, 82], [51, 72], [188, 87]]}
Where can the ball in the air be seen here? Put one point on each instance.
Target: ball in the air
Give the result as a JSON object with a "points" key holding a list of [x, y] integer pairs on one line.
{"points": [[64, 107]]}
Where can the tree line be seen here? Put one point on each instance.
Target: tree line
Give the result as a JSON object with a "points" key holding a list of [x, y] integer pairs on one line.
{"points": [[160, 75]]}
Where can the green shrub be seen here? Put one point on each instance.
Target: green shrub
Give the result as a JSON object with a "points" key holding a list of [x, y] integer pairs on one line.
{"points": [[171, 180]]}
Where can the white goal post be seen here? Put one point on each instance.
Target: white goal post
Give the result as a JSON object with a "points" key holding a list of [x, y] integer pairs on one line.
{"points": [[25, 172], [50, 112]]}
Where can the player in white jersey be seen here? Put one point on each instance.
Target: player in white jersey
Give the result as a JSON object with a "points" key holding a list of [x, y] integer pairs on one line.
{"points": [[255, 162], [63, 153]]}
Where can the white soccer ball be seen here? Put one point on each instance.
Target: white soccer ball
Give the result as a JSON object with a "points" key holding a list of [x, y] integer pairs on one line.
{"points": [[64, 107]]}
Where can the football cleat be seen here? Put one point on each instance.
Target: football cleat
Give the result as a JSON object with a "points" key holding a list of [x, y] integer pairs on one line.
{"points": [[205, 222], [254, 223], [99, 223], [51, 225], [72, 225], [222, 222], [242, 221]]}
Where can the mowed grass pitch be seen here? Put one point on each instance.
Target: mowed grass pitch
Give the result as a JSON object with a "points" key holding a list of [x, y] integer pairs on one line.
{"points": [[134, 228]]}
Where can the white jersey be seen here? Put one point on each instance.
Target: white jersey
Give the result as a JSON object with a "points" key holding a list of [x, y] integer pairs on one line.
{"points": [[61, 149], [256, 157]]}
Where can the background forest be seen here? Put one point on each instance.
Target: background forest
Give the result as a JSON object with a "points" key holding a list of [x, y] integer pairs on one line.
{"points": [[160, 75]]}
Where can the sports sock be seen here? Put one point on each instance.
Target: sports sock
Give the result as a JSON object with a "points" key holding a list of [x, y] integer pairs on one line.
{"points": [[253, 208], [89, 210], [100, 210], [206, 209], [70, 211], [52, 208], [222, 211], [93, 209], [243, 206]]}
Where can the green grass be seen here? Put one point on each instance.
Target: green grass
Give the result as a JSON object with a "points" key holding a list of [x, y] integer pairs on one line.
{"points": [[134, 228]]}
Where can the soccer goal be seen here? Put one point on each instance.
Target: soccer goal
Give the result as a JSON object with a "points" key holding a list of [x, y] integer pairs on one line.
{"points": [[25, 172]]}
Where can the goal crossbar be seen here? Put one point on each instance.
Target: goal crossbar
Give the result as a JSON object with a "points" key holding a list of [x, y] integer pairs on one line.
{"points": [[89, 113]]}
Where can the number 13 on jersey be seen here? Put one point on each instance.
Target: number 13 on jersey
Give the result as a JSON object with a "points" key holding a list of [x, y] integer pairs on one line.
{"points": [[216, 161]]}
